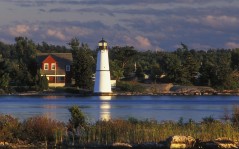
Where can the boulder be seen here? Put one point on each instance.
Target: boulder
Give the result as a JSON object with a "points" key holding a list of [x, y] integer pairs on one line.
{"points": [[4, 143], [225, 143], [220, 143], [121, 145], [150, 145], [181, 142]]}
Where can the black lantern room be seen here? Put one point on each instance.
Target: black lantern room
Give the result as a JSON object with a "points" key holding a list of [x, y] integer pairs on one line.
{"points": [[102, 44]]}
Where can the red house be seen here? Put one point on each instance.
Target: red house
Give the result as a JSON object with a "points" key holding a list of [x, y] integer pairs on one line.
{"points": [[56, 67]]}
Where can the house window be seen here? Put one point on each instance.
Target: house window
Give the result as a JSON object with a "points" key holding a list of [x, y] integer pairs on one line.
{"points": [[46, 66], [53, 66], [68, 68]]}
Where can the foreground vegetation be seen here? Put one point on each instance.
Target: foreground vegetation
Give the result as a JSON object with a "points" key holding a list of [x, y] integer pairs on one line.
{"points": [[77, 132]]}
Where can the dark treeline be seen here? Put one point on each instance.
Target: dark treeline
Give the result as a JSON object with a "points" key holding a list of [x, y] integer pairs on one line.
{"points": [[217, 68]]}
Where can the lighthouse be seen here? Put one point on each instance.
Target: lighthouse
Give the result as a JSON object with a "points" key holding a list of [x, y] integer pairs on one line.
{"points": [[102, 76]]}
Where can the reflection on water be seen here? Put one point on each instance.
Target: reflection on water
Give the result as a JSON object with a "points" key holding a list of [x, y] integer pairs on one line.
{"points": [[47, 110], [105, 111], [105, 97], [52, 97], [105, 108]]}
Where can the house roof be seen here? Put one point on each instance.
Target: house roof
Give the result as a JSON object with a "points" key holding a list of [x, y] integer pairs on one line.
{"points": [[62, 59]]}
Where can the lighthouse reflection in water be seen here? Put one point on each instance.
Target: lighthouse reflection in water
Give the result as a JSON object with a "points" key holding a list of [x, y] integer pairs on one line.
{"points": [[105, 108]]}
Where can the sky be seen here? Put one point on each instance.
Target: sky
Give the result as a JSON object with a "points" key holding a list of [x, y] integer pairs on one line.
{"points": [[158, 25]]}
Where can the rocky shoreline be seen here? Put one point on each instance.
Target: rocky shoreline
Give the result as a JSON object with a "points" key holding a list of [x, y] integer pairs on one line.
{"points": [[150, 90], [167, 89], [192, 93]]}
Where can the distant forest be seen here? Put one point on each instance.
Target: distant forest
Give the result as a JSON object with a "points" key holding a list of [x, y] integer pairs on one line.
{"points": [[217, 68]]}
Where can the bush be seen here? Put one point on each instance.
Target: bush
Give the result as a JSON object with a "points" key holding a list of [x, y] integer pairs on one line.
{"points": [[235, 116], [72, 90], [41, 128], [2, 91], [43, 83], [21, 89], [77, 117], [130, 87], [9, 128]]}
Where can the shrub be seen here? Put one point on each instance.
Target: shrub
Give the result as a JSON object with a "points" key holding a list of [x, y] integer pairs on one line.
{"points": [[77, 117], [130, 87], [2, 91], [41, 128], [43, 83], [9, 128], [235, 116], [72, 90]]}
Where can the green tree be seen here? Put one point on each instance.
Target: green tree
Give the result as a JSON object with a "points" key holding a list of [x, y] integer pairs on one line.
{"points": [[43, 83], [173, 69], [4, 73], [83, 63], [235, 59], [25, 54], [116, 72], [124, 58], [155, 71], [77, 117], [216, 71], [189, 64], [139, 73]]}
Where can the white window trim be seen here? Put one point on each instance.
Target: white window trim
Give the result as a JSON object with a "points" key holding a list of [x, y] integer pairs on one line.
{"points": [[46, 64], [53, 64]]}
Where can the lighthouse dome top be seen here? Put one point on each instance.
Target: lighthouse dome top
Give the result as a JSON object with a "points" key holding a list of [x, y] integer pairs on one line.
{"points": [[102, 44]]}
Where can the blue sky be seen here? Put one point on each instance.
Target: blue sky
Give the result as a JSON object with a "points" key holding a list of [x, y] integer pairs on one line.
{"points": [[144, 24]]}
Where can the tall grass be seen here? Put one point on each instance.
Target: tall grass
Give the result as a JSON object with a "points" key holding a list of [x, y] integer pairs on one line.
{"points": [[107, 132], [133, 131]]}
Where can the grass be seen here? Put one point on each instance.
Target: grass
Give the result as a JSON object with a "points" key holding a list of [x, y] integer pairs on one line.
{"points": [[133, 131]]}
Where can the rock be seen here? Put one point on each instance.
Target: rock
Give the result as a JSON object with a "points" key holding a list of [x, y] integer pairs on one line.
{"points": [[150, 145], [220, 143], [121, 145], [181, 142], [4, 143], [209, 145], [225, 143]]}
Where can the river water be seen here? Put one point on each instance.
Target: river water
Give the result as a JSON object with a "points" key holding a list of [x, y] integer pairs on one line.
{"points": [[105, 107]]}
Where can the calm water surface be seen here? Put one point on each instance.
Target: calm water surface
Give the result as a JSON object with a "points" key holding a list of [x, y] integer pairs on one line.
{"points": [[141, 107]]}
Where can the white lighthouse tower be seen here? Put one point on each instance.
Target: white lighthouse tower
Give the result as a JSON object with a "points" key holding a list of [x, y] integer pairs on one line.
{"points": [[102, 76]]}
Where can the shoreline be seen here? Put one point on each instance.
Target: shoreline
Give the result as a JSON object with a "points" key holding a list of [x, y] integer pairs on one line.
{"points": [[52, 93]]}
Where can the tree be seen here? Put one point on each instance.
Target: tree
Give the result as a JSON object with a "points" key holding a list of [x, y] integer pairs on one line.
{"points": [[189, 64], [4, 73], [155, 72], [82, 64], [139, 73], [43, 83], [25, 53], [172, 67], [235, 59], [77, 117], [216, 71], [123, 57], [116, 72]]}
